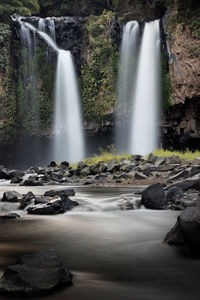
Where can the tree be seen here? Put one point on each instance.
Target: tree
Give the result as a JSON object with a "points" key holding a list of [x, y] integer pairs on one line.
{"points": [[23, 8]]}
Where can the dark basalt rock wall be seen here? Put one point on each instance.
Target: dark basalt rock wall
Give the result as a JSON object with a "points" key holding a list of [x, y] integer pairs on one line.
{"points": [[181, 125]]}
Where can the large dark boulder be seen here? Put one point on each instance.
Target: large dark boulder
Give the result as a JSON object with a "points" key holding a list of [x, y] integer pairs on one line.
{"points": [[187, 229], [154, 197], [35, 273], [11, 196]]}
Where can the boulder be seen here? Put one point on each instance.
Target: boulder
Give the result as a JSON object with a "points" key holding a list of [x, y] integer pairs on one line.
{"points": [[4, 173], [16, 180], [187, 229], [35, 273], [190, 183], [101, 176], [11, 196], [89, 181], [98, 168], [174, 193], [9, 216], [154, 197], [60, 193], [53, 164], [64, 164], [173, 160], [128, 168], [113, 166], [32, 181], [27, 199], [54, 206], [183, 174], [140, 176], [84, 172], [188, 199], [196, 161]]}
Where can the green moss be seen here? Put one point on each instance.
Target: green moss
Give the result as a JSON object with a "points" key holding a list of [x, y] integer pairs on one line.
{"points": [[99, 72], [7, 87]]}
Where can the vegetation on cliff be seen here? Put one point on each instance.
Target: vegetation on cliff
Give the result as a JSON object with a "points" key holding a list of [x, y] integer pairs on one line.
{"points": [[7, 92], [99, 71], [20, 7]]}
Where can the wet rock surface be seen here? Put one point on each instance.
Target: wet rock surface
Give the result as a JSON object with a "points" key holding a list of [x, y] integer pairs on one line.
{"points": [[154, 197], [187, 229], [36, 273]]}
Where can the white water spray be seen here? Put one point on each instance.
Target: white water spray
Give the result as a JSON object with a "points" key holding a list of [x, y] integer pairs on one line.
{"points": [[127, 70], [144, 137]]}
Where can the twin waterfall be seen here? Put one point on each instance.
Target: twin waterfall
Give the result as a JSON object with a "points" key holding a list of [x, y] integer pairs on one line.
{"points": [[139, 89], [137, 110], [68, 132]]}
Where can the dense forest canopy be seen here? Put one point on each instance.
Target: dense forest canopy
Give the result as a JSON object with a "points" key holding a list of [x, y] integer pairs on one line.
{"points": [[86, 7]]}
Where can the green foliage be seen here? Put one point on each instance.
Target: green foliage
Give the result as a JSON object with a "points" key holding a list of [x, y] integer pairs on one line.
{"points": [[22, 7], [166, 84], [186, 155], [99, 73], [7, 87]]}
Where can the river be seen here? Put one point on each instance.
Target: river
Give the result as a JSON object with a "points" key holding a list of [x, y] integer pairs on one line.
{"points": [[113, 254]]}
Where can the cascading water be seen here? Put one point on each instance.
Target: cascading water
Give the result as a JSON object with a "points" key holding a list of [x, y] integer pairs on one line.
{"points": [[128, 61], [47, 26], [68, 141], [30, 100], [144, 137]]}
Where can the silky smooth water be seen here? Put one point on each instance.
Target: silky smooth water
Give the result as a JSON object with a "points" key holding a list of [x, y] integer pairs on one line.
{"points": [[69, 141], [126, 80], [113, 254], [144, 137]]}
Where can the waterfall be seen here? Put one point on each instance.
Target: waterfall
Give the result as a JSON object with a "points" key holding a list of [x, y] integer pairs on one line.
{"points": [[30, 99], [128, 61], [144, 137], [47, 26], [68, 140], [68, 130]]}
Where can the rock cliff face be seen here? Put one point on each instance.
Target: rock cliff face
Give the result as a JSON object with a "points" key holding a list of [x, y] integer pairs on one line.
{"points": [[93, 34], [181, 125], [184, 60]]}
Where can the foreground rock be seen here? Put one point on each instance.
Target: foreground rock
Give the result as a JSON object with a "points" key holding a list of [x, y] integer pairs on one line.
{"points": [[11, 196], [154, 197], [187, 229], [35, 274]]}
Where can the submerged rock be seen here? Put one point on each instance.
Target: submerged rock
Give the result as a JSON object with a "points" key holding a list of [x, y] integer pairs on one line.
{"points": [[154, 197], [10, 216], [34, 274]]}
